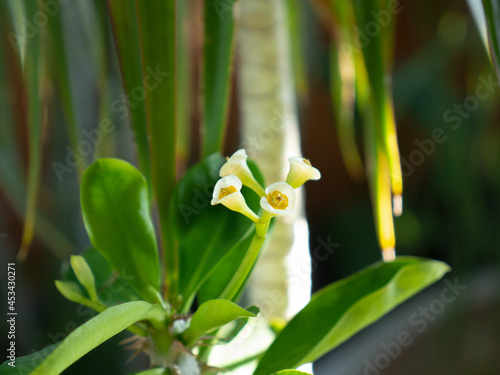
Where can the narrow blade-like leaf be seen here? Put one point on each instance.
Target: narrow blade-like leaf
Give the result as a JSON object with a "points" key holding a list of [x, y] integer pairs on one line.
{"points": [[217, 69], [32, 87], [126, 35], [157, 37]]}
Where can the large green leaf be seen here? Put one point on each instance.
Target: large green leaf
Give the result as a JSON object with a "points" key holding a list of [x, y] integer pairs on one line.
{"points": [[115, 207], [56, 358], [215, 285], [212, 315], [343, 308], [206, 233], [157, 37], [217, 53]]}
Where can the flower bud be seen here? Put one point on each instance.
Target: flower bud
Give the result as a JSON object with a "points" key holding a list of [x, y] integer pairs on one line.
{"points": [[237, 165], [301, 171]]}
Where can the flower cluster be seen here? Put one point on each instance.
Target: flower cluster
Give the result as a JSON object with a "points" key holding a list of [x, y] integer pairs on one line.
{"points": [[277, 199]]}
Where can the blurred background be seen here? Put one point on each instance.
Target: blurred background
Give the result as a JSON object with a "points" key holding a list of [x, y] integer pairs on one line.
{"points": [[446, 100]]}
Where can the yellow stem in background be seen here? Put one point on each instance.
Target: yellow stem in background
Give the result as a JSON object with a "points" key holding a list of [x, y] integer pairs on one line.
{"points": [[383, 214], [392, 151]]}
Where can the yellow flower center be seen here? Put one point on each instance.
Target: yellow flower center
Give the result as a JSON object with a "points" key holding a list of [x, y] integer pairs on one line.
{"points": [[277, 200], [224, 192], [307, 162]]}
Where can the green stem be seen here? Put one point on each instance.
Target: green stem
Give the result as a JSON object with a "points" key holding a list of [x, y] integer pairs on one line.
{"points": [[263, 225], [246, 265], [160, 355]]}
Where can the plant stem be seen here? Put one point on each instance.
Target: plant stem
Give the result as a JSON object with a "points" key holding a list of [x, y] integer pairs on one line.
{"points": [[245, 267]]}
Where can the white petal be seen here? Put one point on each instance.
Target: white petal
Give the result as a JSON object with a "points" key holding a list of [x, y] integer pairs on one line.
{"points": [[284, 189], [225, 182], [237, 165], [234, 201], [300, 172]]}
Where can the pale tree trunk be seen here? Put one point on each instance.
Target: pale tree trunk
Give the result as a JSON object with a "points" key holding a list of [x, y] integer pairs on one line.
{"points": [[281, 282]]}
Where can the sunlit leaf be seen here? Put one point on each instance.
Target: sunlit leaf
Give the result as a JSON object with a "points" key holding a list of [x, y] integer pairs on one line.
{"points": [[343, 308], [26, 364], [212, 315], [93, 333]]}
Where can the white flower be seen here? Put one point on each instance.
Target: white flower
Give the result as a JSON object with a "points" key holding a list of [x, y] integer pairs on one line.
{"points": [[279, 199], [237, 165], [227, 192], [301, 171]]}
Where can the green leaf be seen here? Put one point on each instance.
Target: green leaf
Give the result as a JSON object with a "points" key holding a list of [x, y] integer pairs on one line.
{"points": [[94, 332], [184, 85], [83, 339], [342, 85], [34, 109], [492, 12], [26, 364], [58, 61], [84, 275], [215, 285], [377, 55], [477, 10], [115, 207], [214, 314], [112, 289], [153, 371], [240, 324], [290, 372], [295, 25], [217, 69], [157, 36], [72, 292], [343, 308], [205, 233], [126, 35]]}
